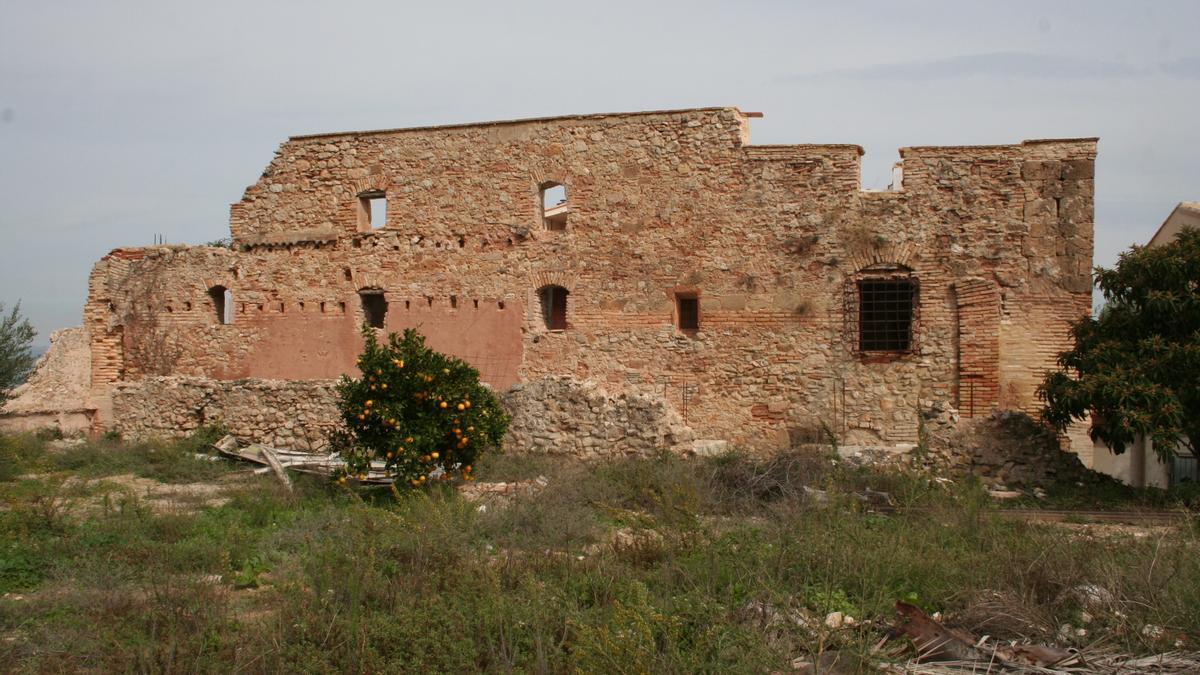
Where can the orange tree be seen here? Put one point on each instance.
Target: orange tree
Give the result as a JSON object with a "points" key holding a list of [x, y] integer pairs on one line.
{"points": [[416, 410]]}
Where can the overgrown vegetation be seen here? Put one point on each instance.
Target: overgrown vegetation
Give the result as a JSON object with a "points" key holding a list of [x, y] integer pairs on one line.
{"points": [[641, 565], [422, 413]]}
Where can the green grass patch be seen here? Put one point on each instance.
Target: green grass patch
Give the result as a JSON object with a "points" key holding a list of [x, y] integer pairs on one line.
{"points": [[640, 565]]}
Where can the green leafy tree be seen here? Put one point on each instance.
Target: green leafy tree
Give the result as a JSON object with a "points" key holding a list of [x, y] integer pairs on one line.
{"points": [[16, 357], [1135, 367], [423, 413]]}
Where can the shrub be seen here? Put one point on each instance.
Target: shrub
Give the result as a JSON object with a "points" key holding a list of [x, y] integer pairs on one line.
{"points": [[416, 410]]}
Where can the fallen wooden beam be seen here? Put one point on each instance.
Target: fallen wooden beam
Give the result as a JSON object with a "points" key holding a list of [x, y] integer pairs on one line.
{"points": [[273, 461]]}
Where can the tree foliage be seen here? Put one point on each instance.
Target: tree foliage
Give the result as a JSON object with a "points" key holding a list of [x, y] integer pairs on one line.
{"points": [[423, 413], [16, 355], [1135, 368]]}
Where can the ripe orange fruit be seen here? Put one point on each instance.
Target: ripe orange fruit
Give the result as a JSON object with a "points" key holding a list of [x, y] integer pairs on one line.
{"points": [[433, 455], [462, 406], [442, 404]]}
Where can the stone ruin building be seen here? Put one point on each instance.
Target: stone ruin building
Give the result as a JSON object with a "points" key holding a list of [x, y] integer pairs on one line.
{"points": [[655, 268]]}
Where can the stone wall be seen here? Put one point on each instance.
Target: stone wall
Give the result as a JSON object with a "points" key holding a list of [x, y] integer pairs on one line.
{"points": [[562, 416], [56, 395], [295, 414], [554, 415], [772, 240]]}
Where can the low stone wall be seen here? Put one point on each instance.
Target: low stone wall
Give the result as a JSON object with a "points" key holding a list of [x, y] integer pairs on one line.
{"points": [[562, 416], [296, 414], [554, 415]]}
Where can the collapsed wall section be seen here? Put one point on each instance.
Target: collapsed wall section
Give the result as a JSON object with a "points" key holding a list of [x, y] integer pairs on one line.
{"points": [[56, 395]]}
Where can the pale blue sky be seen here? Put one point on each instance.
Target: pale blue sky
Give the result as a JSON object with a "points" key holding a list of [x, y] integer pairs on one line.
{"points": [[123, 119]]}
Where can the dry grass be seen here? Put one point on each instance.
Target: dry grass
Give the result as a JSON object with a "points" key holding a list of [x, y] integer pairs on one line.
{"points": [[663, 565]]}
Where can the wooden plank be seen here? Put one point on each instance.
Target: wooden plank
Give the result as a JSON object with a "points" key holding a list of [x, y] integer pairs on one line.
{"points": [[273, 461]]}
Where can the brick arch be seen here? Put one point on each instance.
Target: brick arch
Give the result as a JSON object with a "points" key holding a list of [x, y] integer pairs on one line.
{"points": [[554, 278], [373, 182], [890, 253], [542, 176], [367, 281], [210, 282]]}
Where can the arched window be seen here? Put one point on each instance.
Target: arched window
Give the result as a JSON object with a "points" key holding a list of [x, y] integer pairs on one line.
{"points": [[222, 299], [554, 206], [554, 306]]}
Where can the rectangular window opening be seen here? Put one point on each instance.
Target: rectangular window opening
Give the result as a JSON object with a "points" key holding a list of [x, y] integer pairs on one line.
{"points": [[688, 312], [554, 207], [374, 307], [554, 307], [372, 210], [885, 315]]}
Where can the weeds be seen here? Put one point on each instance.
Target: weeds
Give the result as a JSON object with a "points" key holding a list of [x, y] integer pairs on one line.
{"points": [[649, 565]]}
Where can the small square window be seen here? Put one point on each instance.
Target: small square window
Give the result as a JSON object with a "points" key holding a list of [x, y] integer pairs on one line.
{"points": [[688, 312]]}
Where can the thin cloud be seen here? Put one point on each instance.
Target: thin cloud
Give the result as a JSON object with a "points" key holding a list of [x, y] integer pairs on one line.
{"points": [[999, 64], [1185, 68]]}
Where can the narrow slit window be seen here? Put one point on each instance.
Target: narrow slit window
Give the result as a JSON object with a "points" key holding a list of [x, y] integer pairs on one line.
{"points": [[374, 307], [554, 206], [222, 299], [372, 210], [885, 315], [554, 307], [688, 311]]}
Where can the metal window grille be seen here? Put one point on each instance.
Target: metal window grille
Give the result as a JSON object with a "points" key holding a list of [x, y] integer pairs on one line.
{"points": [[885, 315], [689, 313]]}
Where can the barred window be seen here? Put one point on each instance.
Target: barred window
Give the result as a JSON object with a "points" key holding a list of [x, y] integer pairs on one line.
{"points": [[885, 315]]}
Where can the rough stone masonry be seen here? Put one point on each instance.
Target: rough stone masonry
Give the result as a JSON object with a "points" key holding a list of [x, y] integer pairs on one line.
{"points": [[756, 290]]}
